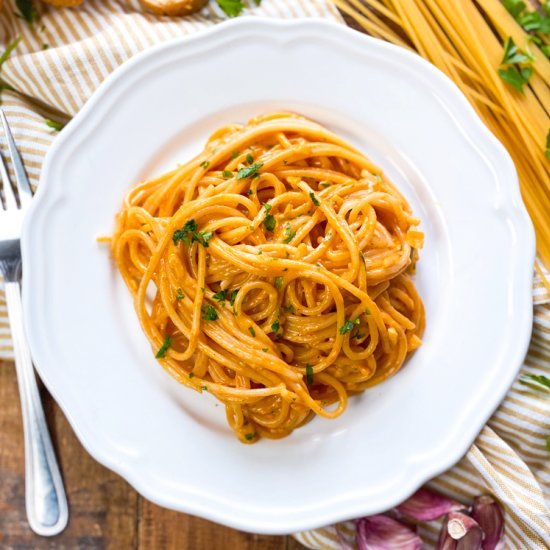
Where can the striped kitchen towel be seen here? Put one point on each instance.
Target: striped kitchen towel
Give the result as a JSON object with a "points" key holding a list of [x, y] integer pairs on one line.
{"points": [[63, 57]]}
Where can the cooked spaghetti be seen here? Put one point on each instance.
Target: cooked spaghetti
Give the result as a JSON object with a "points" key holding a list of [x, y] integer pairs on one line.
{"points": [[273, 270]]}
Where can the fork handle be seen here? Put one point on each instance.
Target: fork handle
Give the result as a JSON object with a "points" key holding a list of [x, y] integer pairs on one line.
{"points": [[46, 502]]}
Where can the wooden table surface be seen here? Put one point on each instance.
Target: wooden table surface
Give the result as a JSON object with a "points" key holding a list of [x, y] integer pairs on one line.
{"points": [[105, 512]]}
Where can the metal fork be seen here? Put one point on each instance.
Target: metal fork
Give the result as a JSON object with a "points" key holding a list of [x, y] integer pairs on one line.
{"points": [[46, 503]]}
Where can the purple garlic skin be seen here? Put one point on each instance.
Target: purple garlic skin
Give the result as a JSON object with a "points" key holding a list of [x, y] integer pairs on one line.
{"points": [[460, 532], [381, 532], [490, 517], [426, 505]]}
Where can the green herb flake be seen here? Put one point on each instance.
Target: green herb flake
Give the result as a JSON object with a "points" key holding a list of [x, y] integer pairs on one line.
{"points": [[191, 375], [11, 46], [265, 350], [179, 294], [209, 313], [227, 174], [234, 155], [517, 78], [249, 158], [231, 8], [57, 126], [249, 170], [220, 296], [314, 199], [325, 184], [189, 234], [289, 308], [204, 388], [249, 436], [232, 297], [348, 326], [309, 374], [164, 348], [279, 281], [276, 326], [514, 7], [252, 331], [270, 222], [289, 234], [205, 164]]}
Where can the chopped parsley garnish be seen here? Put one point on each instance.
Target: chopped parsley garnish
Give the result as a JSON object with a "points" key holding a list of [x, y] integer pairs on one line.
{"points": [[249, 158], [250, 436], [538, 381], [270, 222], [314, 199], [367, 311], [189, 234], [204, 388], [227, 174], [234, 155], [514, 7], [209, 313], [252, 331], [205, 164], [191, 375], [265, 350], [289, 308], [249, 170], [289, 234], [231, 8], [232, 297], [279, 281], [27, 11], [275, 326], [309, 374], [179, 294], [359, 335], [348, 326], [220, 296], [164, 348], [325, 184], [11, 46]]}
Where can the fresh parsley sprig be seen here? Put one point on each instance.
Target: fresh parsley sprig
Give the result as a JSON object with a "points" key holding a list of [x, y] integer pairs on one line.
{"points": [[190, 234], [516, 67]]}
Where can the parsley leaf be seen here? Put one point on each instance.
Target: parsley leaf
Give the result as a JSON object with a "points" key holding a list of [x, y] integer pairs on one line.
{"points": [[227, 174], [189, 234], [279, 282], [232, 297], [270, 222], [179, 294], [209, 313], [27, 11], [513, 55], [249, 158], [234, 154], [220, 296], [252, 331], [325, 184], [309, 374], [516, 78], [314, 199], [250, 436], [538, 381], [164, 348], [249, 170], [232, 8], [57, 126], [289, 234], [205, 164], [275, 326], [514, 7]]}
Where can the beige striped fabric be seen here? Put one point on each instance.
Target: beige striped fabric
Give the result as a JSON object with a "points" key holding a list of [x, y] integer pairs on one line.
{"points": [[55, 68]]}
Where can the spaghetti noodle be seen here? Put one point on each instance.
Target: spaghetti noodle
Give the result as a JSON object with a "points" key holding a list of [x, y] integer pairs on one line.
{"points": [[273, 270]]}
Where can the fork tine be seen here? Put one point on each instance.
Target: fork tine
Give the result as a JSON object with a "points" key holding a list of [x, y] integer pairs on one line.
{"points": [[23, 186], [9, 201]]}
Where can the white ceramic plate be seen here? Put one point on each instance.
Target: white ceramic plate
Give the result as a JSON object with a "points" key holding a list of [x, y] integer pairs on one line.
{"points": [[172, 444]]}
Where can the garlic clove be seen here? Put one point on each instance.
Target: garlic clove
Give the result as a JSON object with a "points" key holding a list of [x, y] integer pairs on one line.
{"points": [[490, 517], [426, 505], [380, 532], [460, 532]]}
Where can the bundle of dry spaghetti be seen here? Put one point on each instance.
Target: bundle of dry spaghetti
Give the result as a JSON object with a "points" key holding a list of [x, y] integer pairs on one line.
{"points": [[500, 67], [280, 261]]}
